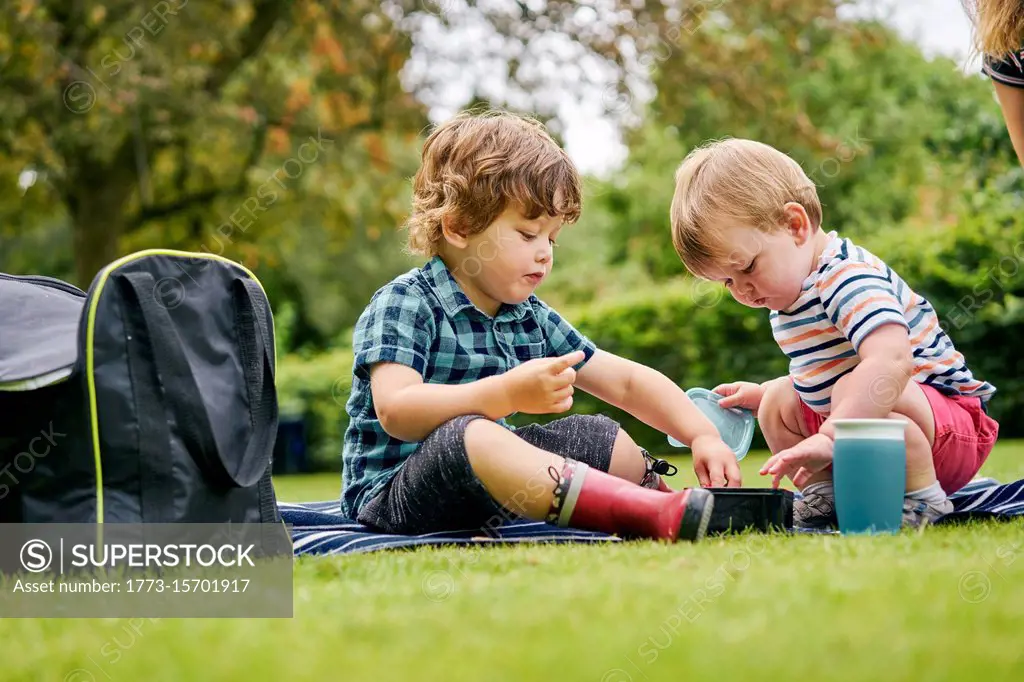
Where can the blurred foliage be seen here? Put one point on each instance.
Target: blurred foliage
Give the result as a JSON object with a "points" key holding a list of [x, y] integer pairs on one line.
{"points": [[283, 134], [973, 275], [879, 128], [316, 387], [278, 133]]}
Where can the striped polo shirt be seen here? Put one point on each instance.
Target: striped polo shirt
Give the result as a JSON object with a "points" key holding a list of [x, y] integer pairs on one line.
{"points": [[849, 295]]}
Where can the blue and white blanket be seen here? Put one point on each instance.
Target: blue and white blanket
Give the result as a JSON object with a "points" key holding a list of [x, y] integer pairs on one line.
{"points": [[986, 498], [318, 528]]}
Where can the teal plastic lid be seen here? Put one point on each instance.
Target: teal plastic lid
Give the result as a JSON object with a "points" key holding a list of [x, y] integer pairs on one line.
{"points": [[735, 424]]}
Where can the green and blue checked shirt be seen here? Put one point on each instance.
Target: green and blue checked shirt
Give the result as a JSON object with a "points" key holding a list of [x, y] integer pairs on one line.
{"points": [[423, 320]]}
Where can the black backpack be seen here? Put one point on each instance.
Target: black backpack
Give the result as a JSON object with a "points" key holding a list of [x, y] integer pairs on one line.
{"points": [[150, 399]]}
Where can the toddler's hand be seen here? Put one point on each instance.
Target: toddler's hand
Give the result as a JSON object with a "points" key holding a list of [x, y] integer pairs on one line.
{"points": [[801, 461], [740, 394], [543, 385], [715, 463]]}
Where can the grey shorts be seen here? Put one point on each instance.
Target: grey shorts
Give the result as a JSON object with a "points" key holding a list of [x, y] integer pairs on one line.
{"points": [[437, 490]]}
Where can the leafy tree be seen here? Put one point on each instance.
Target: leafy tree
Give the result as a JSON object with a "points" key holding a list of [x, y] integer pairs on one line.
{"points": [[141, 121], [881, 130], [276, 132]]}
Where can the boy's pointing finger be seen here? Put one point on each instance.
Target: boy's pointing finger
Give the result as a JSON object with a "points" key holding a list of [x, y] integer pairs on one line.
{"points": [[567, 361]]}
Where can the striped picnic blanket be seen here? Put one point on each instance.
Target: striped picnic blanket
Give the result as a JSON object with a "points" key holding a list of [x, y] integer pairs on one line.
{"points": [[986, 498], [317, 528]]}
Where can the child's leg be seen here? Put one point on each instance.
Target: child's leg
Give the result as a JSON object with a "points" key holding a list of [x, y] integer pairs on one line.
{"points": [[780, 416], [633, 463], [579, 495], [628, 459], [595, 440], [515, 473], [963, 438], [580, 437], [471, 472], [913, 408], [783, 423]]}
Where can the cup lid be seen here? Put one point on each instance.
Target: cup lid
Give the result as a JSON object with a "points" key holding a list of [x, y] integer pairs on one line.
{"points": [[735, 424], [870, 428]]}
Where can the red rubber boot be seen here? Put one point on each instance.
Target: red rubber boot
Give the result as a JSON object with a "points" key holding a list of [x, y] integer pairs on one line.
{"points": [[613, 505]]}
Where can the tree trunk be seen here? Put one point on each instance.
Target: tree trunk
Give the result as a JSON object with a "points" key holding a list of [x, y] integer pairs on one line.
{"points": [[95, 246], [97, 216]]}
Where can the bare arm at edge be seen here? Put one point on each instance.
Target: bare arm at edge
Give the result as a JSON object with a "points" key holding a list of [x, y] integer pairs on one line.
{"points": [[1012, 102]]}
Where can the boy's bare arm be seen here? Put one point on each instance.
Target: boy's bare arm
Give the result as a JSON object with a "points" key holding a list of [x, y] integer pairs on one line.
{"points": [[647, 394], [746, 394], [1011, 100], [409, 409], [654, 399]]}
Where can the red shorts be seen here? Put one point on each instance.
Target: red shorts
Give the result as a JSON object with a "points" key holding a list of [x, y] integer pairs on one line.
{"points": [[964, 436]]}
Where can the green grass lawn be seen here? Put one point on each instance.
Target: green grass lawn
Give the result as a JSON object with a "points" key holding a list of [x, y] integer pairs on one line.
{"points": [[944, 604]]}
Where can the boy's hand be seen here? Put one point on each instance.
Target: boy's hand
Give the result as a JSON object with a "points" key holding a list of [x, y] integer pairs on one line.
{"points": [[801, 461], [740, 394], [715, 463], [543, 385]]}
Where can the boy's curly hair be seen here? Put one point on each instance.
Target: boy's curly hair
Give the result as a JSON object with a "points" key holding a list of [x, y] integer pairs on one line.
{"points": [[476, 163]]}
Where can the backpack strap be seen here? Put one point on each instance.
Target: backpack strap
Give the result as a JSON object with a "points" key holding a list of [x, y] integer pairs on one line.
{"points": [[258, 407], [156, 475], [268, 501], [175, 378], [257, 350]]}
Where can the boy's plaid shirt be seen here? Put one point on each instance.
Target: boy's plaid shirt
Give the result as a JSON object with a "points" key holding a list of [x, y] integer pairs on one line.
{"points": [[423, 320]]}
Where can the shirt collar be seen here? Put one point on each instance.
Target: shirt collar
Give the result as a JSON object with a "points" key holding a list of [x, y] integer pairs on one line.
{"points": [[832, 247], [454, 300]]}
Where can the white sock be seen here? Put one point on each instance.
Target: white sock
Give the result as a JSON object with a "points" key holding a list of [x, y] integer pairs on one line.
{"points": [[933, 495]]}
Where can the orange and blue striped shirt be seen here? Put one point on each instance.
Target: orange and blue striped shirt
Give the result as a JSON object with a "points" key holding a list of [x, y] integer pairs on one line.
{"points": [[850, 294]]}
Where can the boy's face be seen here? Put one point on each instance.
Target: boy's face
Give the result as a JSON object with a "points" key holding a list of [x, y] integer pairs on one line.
{"points": [[506, 262], [767, 269]]}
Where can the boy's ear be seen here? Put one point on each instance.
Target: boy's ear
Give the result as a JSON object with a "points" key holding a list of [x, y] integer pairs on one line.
{"points": [[452, 232], [798, 222]]}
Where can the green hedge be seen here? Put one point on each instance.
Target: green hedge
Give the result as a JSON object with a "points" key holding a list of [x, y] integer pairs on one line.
{"points": [[973, 274], [316, 388]]}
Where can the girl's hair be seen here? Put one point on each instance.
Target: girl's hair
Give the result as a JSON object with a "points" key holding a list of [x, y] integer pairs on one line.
{"points": [[734, 181], [475, 164], [998, 26]]}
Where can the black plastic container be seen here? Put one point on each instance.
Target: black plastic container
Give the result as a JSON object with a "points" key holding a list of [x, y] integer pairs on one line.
{"points": [[740, 509]]}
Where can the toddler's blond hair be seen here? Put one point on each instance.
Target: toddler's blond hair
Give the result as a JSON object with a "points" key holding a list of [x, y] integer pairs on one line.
{"points": [[739, 181]]}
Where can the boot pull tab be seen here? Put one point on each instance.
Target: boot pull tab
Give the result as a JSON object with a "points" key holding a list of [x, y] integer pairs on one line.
{"points": [[662, 467], [655, 468]]}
